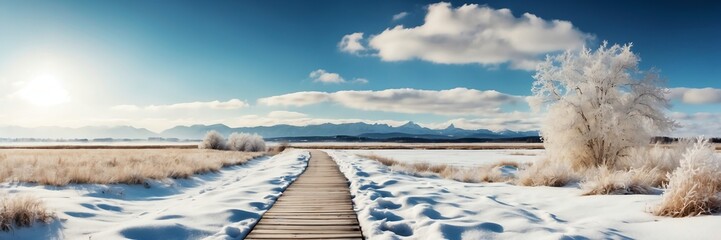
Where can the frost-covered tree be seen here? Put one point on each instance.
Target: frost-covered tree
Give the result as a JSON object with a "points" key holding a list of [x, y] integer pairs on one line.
{"points": [[600, 105], [213, 140]]}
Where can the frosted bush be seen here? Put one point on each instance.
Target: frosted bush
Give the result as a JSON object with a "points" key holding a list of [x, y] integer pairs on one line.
{"points": [[655, 162], [246, 142], [694, 187], [255, 144], [547, 173], [213, 140], [599, 105], [236, 141], [602, 180]]}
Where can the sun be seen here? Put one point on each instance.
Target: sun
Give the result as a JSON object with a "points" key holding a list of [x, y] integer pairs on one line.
{"points": [[44, 90]]}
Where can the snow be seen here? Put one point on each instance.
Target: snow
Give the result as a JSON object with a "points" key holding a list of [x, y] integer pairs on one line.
{"points": [[457, 157], [393, 205], [223, 205]]}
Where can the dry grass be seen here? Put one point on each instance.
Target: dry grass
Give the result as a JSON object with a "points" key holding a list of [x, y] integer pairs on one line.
{"points": [[694, 187], [60, 167], [489, 173], [22, 211], [279, 148], [547, 173], [603, 181]]}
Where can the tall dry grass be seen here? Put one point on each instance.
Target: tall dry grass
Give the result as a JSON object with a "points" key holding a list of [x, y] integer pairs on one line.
{"points": [[488, 173], [604, 181], [58, 167], [547, 173], [694, 188], [22, 211]]}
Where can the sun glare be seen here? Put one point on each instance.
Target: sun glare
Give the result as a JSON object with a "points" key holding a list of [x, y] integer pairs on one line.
{"points": [[44, 90]]}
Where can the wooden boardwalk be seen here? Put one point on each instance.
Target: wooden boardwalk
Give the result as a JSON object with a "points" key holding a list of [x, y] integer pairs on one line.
{"points": [[316, 206]]}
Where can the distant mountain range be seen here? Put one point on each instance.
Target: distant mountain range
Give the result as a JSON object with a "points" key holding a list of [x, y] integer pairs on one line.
{"points": [[370, 131], [119, 132]]}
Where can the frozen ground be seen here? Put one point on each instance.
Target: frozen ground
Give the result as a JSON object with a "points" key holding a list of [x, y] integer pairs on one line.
{"points": [[457, 157], [393, 205], [219, 205]]}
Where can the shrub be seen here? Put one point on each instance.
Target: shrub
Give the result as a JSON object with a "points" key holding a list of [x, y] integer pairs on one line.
{"points": [[693, 188], [255, 144], [213, 140], [236, 141], [602, 180], [654, 163], [22, 211], [547, 173], [246, 142]]}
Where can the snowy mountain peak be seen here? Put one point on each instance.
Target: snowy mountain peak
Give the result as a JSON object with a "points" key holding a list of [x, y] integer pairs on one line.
{"points": [[411, 124]]}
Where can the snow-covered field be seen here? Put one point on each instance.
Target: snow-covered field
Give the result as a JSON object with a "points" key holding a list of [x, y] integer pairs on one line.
{"points": [[457, 157], [219, 205], [393, 205]]}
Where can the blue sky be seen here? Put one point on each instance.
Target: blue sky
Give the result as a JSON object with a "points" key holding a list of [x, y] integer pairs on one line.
{"points": [[116, 60]]}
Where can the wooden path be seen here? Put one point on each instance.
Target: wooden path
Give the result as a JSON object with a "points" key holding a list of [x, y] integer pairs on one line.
{"points": [[316, 206]]}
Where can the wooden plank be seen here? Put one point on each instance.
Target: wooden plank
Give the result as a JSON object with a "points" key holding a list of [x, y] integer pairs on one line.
{"points": [[304, 236], [311, 217], [316, 206], [349, 228], [351, 212], [300, 231], [338, 221]]}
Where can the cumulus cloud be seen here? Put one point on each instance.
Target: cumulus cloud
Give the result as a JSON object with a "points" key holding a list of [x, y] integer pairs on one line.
{"points": [[697, 124], [351, 43], [324, 76], [400, 16], [214, 105], [474, 34], [696, 95], [457, 101]]}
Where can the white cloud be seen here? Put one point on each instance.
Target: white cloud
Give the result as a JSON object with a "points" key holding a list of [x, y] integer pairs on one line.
{"points": [[360, 80], [126, 107], [475, 34], [351, 43], [696, 95], [255, 120], [214, 105], [286, 114], [697, 124], [297, 99], [517, 121], [400, 16], [324, 76], [457, 101]]}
